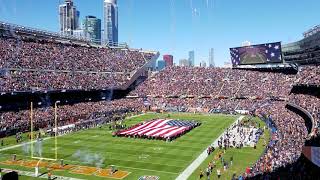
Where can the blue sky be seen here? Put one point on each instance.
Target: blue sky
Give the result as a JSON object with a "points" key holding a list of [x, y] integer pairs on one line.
{"points": [[177, 26]]}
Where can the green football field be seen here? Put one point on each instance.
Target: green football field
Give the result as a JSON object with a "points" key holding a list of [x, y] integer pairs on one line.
{"points": [[138, 157], [247, 59]]}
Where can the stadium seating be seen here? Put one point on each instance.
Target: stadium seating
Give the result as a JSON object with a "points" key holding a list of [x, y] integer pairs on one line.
{"points": [[309, 103], [287, 141], [184, 81], [183, 88], [42, 65], [31, 64], [309, 75], [11, 122]]}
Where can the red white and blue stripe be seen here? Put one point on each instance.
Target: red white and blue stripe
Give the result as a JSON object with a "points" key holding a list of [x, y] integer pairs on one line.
{"points": [[160, 128]]}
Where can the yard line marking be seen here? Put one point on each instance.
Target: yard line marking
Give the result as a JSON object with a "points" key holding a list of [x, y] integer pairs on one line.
{"points": [[197, 162], [81, 163], [146, 169]]}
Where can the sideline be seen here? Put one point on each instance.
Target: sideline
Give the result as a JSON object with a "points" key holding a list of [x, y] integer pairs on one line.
{"points": [[197, 162], [22, 144], [27, 143]]}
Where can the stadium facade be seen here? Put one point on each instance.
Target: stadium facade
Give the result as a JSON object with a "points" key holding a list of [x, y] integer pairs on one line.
{"points": [[306, 43], [305, 51], [110, 8]]}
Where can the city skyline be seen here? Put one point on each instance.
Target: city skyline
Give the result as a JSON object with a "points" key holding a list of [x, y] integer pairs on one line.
{"points": [[92, 28], [69, 17], [191, 58], [178, 29], [211, 58], [110, 16]]}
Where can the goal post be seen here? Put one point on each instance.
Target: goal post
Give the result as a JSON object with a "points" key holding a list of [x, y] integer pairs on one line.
{"points": [[33, 140]]}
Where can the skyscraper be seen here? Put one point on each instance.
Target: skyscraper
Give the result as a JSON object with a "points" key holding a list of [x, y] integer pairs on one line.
{"points": [[184, 63], [211, 58], [191, 58], [110, 21], [68, 17], [203, 64], [161, 65], [92, 28], [168, 59]]}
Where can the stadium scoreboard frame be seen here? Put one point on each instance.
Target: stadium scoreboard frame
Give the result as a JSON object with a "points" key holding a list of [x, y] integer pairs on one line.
{"points": [[266, 53]]}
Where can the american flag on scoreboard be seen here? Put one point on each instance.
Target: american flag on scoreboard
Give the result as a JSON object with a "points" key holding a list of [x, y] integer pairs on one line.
{"points": [[271, 52], [160, 128]]}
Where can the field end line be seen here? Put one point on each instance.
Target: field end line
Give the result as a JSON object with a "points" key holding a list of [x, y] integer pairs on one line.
{"points": [[202, 157]]}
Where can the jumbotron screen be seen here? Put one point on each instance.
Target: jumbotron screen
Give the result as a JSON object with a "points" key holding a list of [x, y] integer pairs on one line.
{"points": [[256, 54]]}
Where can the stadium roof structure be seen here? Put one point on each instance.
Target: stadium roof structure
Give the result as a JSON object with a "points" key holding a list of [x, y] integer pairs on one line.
{"points": [[312, 31], [14, 28]]}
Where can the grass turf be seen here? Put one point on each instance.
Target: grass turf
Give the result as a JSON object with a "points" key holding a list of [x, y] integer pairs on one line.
{"points": [[138, 156], [242, 158]]}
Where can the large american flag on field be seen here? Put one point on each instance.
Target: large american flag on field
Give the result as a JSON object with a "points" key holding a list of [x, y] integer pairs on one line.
{"points": [[160, 128]]}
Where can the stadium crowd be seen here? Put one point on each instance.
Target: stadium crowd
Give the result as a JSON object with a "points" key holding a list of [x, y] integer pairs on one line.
{"points": [[43, 54], [190, 89], [309, 103], [286, 142], [309, 75], [205, 104], [44, 81], [27, 65], [13, 122], [46, 65], [197, 81]]}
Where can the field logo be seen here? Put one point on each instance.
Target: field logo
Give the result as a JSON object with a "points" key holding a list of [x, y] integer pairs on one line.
{"points": [[144, 156], [149, 178]]}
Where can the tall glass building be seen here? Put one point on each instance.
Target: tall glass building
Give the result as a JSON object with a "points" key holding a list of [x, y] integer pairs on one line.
{"points": [[92, 28], [68, 17], [110, 21], [191, 58], [211, 58]]}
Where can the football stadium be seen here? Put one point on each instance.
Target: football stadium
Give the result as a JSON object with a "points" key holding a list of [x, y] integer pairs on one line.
{"points": [[76, 103]]}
